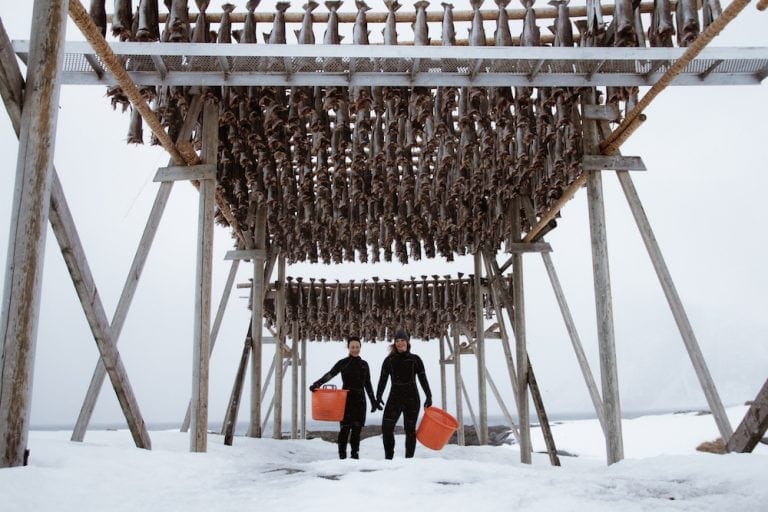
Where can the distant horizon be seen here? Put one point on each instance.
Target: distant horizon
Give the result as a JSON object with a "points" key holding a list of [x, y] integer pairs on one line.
{"points": [[493, 420]]}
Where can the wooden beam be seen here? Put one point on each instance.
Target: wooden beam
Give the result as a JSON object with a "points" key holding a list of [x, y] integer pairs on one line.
{"points": [[216, 326], [541, 412], [603, 302], [36, 184], [198, 432], [676, 305], [482, 434], [303, 387], [295, 380], [443, 384], [230, 418], [503, 406], [518, 247], [74, 256], [457, 385], [132, 279], [277, 431], [257, 316], [185, 173], [521, 350], [578, 349], [11, 81], [752, 428], [614, 162], [248, 255]]}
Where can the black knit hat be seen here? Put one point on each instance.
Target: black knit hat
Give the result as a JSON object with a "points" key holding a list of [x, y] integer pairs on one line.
{"points": [[400, 334]]}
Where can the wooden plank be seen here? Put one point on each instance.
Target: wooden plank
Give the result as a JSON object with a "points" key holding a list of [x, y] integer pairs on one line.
{"points": [[185, 173], [257, 315], [230, 419], [603, 302], [132, 279], [752, 428], [74, 256], [295, 381], [482, 434], [216, 326], [198, 432], [457, 385], [443, 384], [503, 406], [578, 348], [515, 247], [277, 431], [30, 214], [243, 254], [615, 162], [11, 81], [303, 388], [541, 412], [676, 305]]}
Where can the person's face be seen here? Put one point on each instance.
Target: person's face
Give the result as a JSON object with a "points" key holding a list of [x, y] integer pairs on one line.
{"points": [[401, 344], [354, 348]]}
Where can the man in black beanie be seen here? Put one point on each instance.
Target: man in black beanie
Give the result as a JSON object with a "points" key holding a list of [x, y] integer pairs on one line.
{"points": [[403, 367]]}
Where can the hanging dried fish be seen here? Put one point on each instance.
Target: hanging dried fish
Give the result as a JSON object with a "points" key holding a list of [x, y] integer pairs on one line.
{"points": [[98, 14]]}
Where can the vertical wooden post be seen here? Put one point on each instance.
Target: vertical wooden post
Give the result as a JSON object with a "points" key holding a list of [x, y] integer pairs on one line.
{"points": [[198, 435], [482, 434], [676, 305], [603, 303], [277, 431], [303, 388], [257, 315], [457, 384], [26, 244], [295, 381], [443, 387], [521, 349]]}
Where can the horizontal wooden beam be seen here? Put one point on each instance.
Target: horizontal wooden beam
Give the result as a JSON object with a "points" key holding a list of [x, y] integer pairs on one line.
{"points": [[245, 254], [612, 162], [185, 173], [527, 247]]}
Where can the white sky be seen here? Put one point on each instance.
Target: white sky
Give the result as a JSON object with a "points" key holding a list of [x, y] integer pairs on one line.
{"points": [[706, 156], [661, 472]]}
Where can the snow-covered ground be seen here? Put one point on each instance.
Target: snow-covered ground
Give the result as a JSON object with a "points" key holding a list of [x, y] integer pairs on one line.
{"points": [[662, 471]]}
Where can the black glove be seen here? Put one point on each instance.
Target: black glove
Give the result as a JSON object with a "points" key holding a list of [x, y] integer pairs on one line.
{"points": [[428, 402], [314, 386], [377, 405]]}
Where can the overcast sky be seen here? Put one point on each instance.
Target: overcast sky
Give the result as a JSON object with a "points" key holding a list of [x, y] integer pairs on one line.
{"points": [[707, 158]]}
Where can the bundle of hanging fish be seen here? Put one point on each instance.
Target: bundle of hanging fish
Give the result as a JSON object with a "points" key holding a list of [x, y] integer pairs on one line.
{"points": [[365, 173], [374, 308]]}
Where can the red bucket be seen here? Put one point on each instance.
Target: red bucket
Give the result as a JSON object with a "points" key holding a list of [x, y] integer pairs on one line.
{"points": [[328, 403], [436, 428]]}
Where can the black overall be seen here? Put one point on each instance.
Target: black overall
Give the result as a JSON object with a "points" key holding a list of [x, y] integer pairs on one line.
{"points": [[403, 367], [355, 375]]}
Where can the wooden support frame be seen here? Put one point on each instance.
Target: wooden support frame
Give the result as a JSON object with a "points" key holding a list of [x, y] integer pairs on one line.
{"points": [[753, 426], [257, 315], [201, 348], [676, 306], [66, 233], [225, 295], [294, 380], [303, 387], [30, 209], [443, 385], [603, 303], [277, 431], [457, 384], [482, 434], [230, 418], [133, 277]]}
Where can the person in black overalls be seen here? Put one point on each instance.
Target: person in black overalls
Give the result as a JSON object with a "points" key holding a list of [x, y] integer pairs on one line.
{"points": [[403, 367], [355, 375]]}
